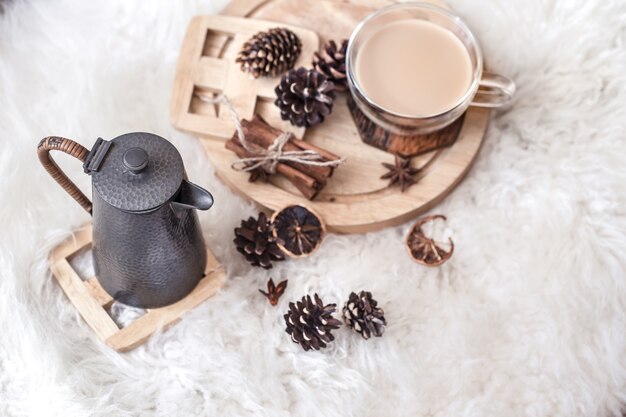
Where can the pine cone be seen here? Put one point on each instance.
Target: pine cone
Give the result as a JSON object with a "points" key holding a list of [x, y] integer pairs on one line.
{"points": [[255, 241], [360, 313], [305, 97], [270, 53], [332, 63], [310, 323]]}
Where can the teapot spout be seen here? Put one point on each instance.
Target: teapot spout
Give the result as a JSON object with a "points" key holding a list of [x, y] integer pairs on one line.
{"points": [[192, 196]]}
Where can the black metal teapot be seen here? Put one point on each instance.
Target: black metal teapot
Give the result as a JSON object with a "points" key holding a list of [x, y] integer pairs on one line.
{"points": [[148, 248]]}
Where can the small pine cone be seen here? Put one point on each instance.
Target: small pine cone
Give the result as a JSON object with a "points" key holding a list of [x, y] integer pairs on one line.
{"points": [[255, 241], [332, 63], [305, 97], [361, 314], [309, 323], [270, 53]]}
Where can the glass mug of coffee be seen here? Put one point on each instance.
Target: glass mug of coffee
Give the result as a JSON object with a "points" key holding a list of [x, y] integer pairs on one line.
{"points": [[414, 68]]}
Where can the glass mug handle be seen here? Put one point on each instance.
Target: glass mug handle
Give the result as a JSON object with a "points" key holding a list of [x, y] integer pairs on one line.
{"points": [[494, 91]]}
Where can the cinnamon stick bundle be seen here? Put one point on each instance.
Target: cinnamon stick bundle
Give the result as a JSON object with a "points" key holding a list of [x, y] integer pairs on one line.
{"points": [[308, 179]]}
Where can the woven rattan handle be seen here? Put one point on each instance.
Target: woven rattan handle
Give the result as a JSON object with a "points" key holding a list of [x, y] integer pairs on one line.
{"points": [[55, 143]]}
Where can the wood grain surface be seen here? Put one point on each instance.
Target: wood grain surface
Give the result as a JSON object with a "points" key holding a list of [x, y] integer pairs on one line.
{"points": [[355, 199]]}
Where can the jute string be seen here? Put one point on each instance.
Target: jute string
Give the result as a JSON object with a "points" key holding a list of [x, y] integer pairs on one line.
{"points": [[267, 159]]}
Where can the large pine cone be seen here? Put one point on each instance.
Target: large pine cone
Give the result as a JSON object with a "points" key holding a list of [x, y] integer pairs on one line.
{"points": [[305, 97], [270, 53], [255, 241], [363, 316], [332, 63], [309, 323]]}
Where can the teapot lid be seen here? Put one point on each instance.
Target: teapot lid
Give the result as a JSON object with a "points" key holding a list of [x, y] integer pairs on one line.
{"points": [[138, 172]]}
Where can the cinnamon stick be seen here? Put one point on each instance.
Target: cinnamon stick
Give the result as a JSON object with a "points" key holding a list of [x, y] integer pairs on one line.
{"points": [[310, 147], [319, 177], [308, 186], [306, 146], [260, 133]]}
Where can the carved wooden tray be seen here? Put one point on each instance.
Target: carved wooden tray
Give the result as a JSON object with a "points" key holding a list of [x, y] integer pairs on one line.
{"points": [[355, 199]]}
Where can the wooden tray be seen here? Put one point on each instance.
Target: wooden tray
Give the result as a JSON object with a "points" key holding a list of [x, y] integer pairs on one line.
{"points": [[355, 200], [93, 302]]}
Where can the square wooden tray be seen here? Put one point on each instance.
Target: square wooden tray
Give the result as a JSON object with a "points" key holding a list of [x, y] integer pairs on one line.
{"points": [[93, 302]]}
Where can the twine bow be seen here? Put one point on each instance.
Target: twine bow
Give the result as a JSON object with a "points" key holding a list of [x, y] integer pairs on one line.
{"points": [[267, 159]]}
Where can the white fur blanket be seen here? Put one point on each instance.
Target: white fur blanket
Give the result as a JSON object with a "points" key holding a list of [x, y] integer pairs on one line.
{"points": [[528, 318]]}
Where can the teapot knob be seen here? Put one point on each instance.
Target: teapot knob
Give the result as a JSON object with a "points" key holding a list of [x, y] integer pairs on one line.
{"points": [[135, 160]]}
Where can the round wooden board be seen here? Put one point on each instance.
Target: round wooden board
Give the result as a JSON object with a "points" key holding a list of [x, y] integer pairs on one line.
{"points": [[355, 199]]}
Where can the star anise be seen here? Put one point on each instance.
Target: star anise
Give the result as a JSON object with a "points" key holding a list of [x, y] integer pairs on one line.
{"points": [[401, 173], [298, 231], [274, 292], [424, 249], [258, 174]]}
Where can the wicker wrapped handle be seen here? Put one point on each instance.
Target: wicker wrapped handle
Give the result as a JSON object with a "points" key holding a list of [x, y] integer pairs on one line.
{"points": [[55, 143]]}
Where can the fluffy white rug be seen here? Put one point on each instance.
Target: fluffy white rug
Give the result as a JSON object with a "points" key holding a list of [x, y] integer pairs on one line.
{"points": [[527, 319]]}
